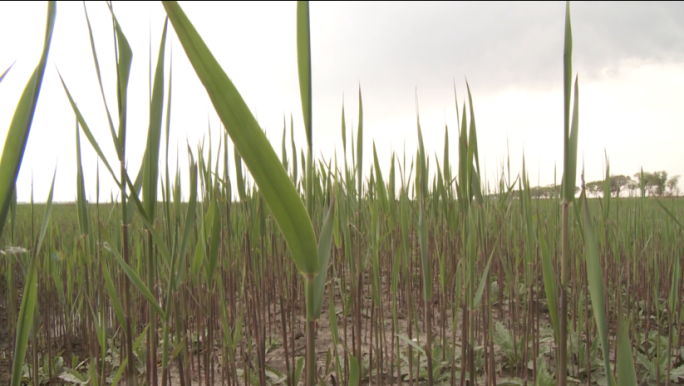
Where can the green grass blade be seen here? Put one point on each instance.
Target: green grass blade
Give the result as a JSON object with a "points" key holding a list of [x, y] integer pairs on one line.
{"points": [[6, 71], [25, 322], [344, 134], [571, 168], [190, 218], [46, 219], [595, 278], [570, 158], [81, 203], [625, 363], [123, 65], [483, 280], [359, 148], [99, 79], [672, 216], [119, 372], [87, 132], [380, 182], [156, 236], [294, 153], [238, 173], [263, 163], [215, 238], [28, 302], [132, 275], [353, 371], [411, 343], [113, 295], [283, 151], [20, 127], [445, 159], [324, 244], [304, 66], [151, 170], [422, 219]]}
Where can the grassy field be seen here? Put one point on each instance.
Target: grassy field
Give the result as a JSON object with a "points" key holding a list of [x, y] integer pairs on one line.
{"points": [[326, 271], [254, 313]]}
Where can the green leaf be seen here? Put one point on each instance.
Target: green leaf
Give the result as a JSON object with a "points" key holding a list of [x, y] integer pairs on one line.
{"points": [[283, 151], [672, 216], [6, 71], [151, 162], [99, 79], [28, 301], [215, 238], [81, 203], [125, 57], [422, 218], [20, 127], [359, 148], [87, 132], [262, 161], [132, 275], [304, 66], [298, 369], [570, 151], [324, 245], [379, 182], [114, 297], [483, 280], [25, 321], [625, 363], [411, 343], [595, 278], [353, 371], [571, 168]]}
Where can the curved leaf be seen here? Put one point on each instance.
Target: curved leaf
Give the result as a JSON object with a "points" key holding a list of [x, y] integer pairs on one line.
{"points": [[17, 135], [262, 161]]}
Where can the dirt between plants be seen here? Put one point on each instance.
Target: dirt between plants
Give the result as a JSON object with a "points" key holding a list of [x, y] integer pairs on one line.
{"points": [[275, 352]]}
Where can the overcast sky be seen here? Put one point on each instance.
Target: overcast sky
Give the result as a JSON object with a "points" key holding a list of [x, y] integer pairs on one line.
{"points": [[629, 58]]}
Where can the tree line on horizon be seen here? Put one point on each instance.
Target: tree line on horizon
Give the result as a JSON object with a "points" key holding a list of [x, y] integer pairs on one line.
{"points": [[653, 184]]}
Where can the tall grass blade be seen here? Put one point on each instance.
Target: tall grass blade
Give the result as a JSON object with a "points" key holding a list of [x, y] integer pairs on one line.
{"points": [[625, 363], [570, 157], [324, 243], [81, 203], [380, 182], [6, 71], [595, 279], [28, 301], [20, 127], [304, 66], [132, 275], [151, 171], [251, 142], [99, 80], [359, 148], [25, 322]]}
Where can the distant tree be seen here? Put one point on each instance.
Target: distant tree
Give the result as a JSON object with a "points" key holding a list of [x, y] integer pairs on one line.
{"points": [[617, 183], [655, 183], [673, 186], [633, 187], [594, 187]]}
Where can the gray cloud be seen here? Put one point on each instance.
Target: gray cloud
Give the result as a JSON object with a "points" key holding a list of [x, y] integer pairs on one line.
{"points": [[496, 45]]}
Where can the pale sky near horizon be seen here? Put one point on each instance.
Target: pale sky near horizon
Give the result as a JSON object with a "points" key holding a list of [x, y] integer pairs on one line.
{"points": [[629, 58]]}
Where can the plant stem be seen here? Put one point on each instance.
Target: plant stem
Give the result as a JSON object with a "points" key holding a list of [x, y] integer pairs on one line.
{"points": [[563, 344], [310, 332]]}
